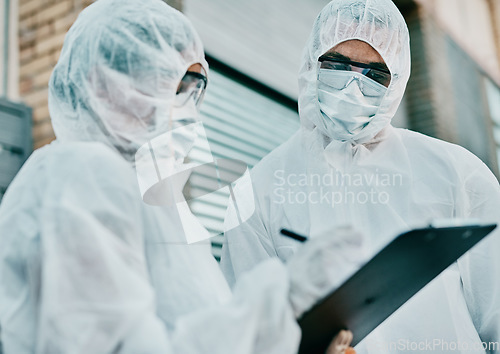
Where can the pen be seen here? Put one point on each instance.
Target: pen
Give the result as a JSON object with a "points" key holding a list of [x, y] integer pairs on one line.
{"points": [[293, 235]]}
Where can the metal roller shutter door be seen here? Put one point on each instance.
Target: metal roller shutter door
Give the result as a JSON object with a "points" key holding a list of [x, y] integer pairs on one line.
{"points": [[240, 123]]}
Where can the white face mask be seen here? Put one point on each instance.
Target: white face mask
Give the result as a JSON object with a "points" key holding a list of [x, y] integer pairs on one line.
{"points": [[348, 101], [164, 156], [183, 139]]}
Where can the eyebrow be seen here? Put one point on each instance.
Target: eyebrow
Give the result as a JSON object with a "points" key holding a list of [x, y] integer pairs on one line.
{"points": [[338, 56]]}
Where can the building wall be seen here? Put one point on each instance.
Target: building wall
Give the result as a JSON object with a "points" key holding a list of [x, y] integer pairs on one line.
{"points": [[446, 95], [493, 96], [42, 27], [473, 25], [9, 83]]}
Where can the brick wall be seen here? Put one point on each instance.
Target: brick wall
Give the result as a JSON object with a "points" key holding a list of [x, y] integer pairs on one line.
{"points": [[445, 94], [439, 74], [494, 9], [42, 27]]}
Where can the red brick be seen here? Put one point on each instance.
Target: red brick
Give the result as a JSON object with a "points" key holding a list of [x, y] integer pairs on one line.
{"points": [[42, 78], [44, 31], [41, 113], [42, 132], [53, 42], [35, 66], [54, 11], [36, 98], [26, 54], [64, 23], [25, 86], [29, 7]]}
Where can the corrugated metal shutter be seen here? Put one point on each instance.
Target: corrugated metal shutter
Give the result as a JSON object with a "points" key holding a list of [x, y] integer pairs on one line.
{"points": [[15, 140], [262, 38], [240, 123]]}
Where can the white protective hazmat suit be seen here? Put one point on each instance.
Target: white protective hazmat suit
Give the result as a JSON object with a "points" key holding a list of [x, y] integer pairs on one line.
{"points": [[383, 181], [85, 265]]}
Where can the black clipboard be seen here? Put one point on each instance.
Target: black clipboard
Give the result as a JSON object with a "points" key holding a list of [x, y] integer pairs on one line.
{"points": [[385, 283]]}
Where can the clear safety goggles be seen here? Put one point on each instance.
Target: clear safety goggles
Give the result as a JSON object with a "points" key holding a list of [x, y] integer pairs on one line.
{"points": [[340, 80], [380, 76], [192, 85]]}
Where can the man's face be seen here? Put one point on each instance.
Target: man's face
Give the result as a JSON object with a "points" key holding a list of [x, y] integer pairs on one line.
{"points": [[355, 51]]}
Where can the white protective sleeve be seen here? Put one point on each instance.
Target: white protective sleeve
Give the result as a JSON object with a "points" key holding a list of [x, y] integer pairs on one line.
{"points": [[480, 268], [246, 245], [318, 267], [96, 296]]}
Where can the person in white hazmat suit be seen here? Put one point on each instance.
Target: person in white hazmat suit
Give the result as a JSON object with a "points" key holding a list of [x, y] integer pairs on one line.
{"points": [[348, 166], [85, 265]]}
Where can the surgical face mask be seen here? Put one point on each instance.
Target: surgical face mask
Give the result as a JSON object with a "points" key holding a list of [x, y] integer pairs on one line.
{"points": [[134, 132], [160, 161], [183, 128], [348, 101]]}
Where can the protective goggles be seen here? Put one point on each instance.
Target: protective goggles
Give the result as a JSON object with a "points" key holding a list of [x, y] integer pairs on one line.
{"points": [[340, 80], [381, 76], [193, 85]]}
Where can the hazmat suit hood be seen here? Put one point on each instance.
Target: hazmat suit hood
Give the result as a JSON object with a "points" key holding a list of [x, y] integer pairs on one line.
{"points": [[376, 22], [118, 73]]}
